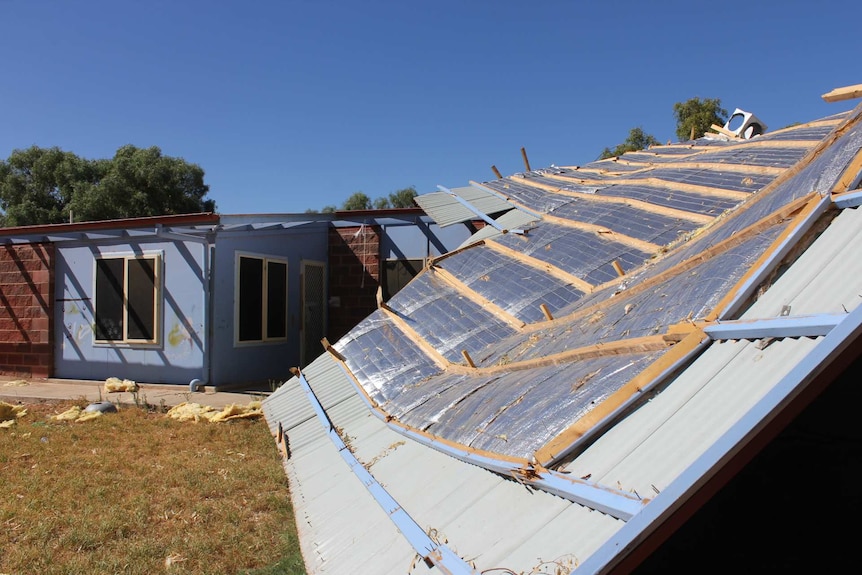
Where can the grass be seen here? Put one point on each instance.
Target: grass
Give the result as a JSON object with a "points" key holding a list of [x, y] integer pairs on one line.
{"points": [[136, 492]]}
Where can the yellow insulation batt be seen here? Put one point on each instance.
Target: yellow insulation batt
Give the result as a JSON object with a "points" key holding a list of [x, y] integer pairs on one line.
{"points": [[77, 414], [196, 412], [10, 413], [114, 384]]}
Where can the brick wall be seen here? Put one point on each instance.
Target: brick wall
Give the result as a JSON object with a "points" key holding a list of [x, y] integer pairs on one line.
{"points": [[26, 310], [354, 274]]}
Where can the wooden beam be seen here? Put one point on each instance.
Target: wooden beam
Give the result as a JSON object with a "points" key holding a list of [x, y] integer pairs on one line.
{"points": [[644, 344], [604, 232], [526, 161], [724, 132], [684, 266], [849, 175], [417, 339], [548, 452], [538, 264], [639, 204], [654, 182], [478, 299], [497, 172], [845, 93], [701, 166], [803, 207]]}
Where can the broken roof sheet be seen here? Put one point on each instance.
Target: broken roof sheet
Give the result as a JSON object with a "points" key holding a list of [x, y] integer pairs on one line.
{"points": [[582, 349]]}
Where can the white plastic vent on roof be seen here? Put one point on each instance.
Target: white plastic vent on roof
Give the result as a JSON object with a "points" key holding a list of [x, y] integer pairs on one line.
{"points": [[745, 124]]}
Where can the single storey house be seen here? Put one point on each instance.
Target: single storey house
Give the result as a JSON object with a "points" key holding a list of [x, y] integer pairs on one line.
{"points": [[200, 299]]}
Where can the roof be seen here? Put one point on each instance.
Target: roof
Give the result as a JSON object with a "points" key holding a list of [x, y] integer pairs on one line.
{"points": [[549, 400]]}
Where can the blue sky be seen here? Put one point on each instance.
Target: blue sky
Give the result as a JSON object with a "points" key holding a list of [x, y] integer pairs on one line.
{"points": [[297, 104]]}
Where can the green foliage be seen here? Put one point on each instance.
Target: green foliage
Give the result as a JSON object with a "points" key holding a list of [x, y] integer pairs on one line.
{"points": [[43, 185], [358, 201], [637, 140], [402, 198], [696, 115]]}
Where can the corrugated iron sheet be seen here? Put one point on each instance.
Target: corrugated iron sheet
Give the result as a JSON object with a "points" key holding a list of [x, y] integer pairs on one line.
{"points": [[524, 391]]}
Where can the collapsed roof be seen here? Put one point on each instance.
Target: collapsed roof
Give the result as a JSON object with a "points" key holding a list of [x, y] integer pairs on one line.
{"points": [[610, 339]]}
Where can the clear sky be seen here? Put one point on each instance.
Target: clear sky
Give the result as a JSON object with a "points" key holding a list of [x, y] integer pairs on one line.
{"points": [[296, 104]]}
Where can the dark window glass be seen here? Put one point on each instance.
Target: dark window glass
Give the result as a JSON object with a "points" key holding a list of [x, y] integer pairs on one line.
{"points": [[398, 274], [142, 299], [276, 299], [109, 299], [250, 299]]}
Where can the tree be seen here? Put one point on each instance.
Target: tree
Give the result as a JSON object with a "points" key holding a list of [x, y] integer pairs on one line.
{"points": [[403, 198], [696, 116], [37, 185], [358, 201], [637, 140], [142, 182], [43, 186]]}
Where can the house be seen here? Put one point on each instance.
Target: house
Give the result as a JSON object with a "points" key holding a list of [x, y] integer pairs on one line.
{"points": [[641, 364], [229, 301]]}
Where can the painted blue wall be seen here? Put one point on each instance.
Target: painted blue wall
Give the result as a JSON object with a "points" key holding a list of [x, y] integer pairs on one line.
{"points": [[179, 356], [260, 363]]}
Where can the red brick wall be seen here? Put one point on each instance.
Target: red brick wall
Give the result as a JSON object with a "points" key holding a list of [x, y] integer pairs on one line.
{"points": [[26, 310], [354, 274]]}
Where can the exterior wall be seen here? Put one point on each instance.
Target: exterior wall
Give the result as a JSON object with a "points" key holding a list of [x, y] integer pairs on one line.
{"points": [[358, 251], [179, 356], [26, 302], [259, 364], [354, 274]]}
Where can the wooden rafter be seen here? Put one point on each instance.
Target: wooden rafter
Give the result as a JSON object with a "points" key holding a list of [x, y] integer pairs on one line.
{"points": [[604, 232], [638, 204], [802, 207], [538, 264], [476, 298], [711, 166], [845, 93], [654, 182], [548, 452]]}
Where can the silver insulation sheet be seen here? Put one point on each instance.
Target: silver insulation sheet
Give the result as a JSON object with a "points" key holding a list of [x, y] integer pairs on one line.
{"points": [[514, 411], [517, 288]]}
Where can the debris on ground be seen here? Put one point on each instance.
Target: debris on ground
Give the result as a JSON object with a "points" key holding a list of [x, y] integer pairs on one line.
{"points": [[16, 383], [77, 414], [10, 413], [196, 412], [114, 384]]}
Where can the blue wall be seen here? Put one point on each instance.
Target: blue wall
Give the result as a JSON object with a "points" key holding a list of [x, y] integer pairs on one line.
{"points": [[261, 363], [179, 356]]}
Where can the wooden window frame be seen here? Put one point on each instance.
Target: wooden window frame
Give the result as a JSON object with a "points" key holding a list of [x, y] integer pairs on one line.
{"points": [[124, 301], [241, 306]]}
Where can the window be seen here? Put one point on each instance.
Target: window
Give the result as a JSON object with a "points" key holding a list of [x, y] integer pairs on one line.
{"points": [[398, 274], [127, 299], [261, 307]]}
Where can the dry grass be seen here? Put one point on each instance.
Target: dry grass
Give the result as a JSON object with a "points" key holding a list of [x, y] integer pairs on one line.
{"points": [[137, 492]]}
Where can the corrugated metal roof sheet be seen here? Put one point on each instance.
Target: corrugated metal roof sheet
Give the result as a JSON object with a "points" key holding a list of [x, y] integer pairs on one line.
{"points": [[649, 429], [445, 209]]}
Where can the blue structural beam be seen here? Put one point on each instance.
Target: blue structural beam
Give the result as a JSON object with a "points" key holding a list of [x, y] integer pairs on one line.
{"points": [[441, 556], [849, 200]]}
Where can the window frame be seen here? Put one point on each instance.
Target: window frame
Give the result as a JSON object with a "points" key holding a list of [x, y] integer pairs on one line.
{"points": [[265, 338], [157, 257]]}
